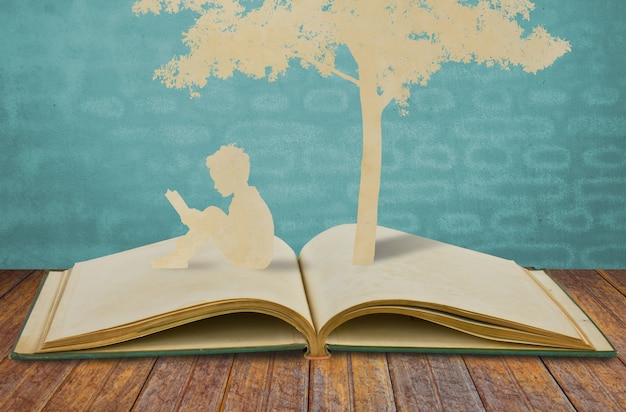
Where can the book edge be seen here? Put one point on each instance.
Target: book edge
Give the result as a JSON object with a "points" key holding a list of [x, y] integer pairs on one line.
{"points": [[592, 326]]}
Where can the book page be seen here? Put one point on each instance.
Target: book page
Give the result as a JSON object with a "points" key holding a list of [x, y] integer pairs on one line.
{"points": [[411, 270], [230, 333], [39, 317], [123, 288], [407, 333], [588, 327]]}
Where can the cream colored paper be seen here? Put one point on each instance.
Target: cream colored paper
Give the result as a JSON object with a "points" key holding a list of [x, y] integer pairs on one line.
{"points": [[124, 288], [427, 273]]}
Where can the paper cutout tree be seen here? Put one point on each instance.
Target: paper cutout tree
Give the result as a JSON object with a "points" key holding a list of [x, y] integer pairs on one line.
{"points": [[395, 44]]}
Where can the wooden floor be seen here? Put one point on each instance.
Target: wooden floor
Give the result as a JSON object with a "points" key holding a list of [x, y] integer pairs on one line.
{"points": [[347, 381]]}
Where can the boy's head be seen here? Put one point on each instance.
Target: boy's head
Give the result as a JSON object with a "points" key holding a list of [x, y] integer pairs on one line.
{"points": [[229, 168]]}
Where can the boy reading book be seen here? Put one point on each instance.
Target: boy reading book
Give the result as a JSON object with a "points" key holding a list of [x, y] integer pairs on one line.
{"points": [[245, 235]]}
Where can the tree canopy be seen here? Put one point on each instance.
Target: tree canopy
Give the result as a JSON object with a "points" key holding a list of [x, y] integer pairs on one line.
{"points": [[402, 42]]}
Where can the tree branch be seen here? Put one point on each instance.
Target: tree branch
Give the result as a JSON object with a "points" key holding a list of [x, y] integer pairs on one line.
{"points": [[334, 71], [345, 76]]}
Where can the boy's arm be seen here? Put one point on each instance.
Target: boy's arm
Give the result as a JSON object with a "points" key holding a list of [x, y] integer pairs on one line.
{"points": [[177, 202], [190, 217]]}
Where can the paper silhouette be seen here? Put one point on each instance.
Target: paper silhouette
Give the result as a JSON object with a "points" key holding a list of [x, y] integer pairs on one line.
{"points": [[245, 235], [395, 44]]}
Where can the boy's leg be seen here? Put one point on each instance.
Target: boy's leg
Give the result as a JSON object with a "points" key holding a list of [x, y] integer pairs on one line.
{"points": [[186, 247], [200, 231]]}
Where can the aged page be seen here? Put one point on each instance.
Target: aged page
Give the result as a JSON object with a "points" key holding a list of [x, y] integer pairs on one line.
{"points": [[124, 288], [411, 269]]}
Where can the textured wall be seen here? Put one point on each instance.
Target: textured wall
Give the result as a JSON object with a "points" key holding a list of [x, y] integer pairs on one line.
{"points": [[527, 167]]}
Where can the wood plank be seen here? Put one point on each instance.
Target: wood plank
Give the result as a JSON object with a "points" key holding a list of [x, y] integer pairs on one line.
{"points": [[330, 384], [207, 383], [289, 390], [27, 386], [603, 292], [123, 385], [515, 383], [10, 278], [371, 382], [165, 384], [617, 278], [24, 385], [347, 381], [539, 387], [414, 385], [106, 384], [249, 382], [432, 382], [81, 385], [591, 384], [12, 374], [596, 384]]}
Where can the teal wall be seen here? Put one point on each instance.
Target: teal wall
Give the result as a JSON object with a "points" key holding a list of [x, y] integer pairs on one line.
{"points": [[527, 167]]}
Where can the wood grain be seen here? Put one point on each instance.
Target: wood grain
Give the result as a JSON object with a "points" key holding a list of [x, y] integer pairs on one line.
{"points": [[9, 278], [29, 385], [81, 385], [616, 278], [165, 385], [120, 389], [371, 382], [207, 383], [512, 384], [432, 383], [330, 384], [249, 381], [594, 384], [290, 382]]}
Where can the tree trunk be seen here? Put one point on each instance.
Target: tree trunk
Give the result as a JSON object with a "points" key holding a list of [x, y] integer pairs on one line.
{"points": [[371, 161]]}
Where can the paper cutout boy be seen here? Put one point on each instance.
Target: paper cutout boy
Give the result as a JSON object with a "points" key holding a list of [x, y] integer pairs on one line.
{"points": [[245, 235]]}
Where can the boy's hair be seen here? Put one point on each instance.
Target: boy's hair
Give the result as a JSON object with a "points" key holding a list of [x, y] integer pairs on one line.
{"points": [[230, 158]]}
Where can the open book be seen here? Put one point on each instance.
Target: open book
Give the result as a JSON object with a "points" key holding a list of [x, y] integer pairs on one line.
{"points": [[419, 295]]}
